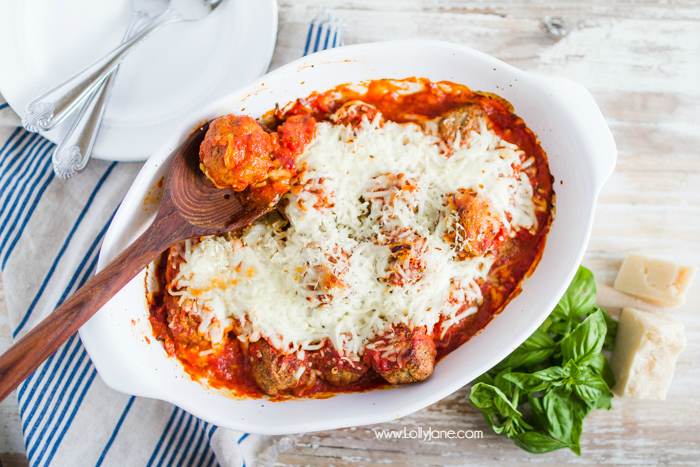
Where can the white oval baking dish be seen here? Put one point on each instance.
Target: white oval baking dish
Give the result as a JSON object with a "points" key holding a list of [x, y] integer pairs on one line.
{"points": [[581, 153]]}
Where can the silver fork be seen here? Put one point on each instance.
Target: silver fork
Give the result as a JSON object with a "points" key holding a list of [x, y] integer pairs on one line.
{"points": [[51, 108], [72, 155]]}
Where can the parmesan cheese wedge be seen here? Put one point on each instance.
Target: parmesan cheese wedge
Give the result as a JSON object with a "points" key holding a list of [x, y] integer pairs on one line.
{"points": [[660, 282], [646, 350]]}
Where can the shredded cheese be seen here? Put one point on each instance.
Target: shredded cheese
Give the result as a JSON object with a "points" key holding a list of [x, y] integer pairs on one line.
{"points": [[320, 269]]}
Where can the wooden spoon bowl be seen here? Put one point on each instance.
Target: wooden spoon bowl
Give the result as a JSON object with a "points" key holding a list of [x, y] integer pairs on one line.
{"points": [[191, 206]]}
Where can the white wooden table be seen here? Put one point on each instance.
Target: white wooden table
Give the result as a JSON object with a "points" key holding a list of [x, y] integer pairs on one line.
{"points": [[641, 61]]}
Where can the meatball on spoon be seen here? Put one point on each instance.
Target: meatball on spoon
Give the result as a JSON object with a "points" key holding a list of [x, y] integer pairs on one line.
{"points": [[191, 206]]}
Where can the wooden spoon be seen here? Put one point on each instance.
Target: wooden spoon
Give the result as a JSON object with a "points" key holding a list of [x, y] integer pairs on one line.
{"points": [[191, 207]]}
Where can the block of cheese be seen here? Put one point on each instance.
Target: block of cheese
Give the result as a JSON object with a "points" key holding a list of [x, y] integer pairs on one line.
{"points": [[644, 358], [660, 282]]}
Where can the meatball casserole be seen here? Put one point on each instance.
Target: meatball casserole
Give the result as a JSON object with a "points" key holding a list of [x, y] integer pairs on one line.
{"points": [[407, 213]]}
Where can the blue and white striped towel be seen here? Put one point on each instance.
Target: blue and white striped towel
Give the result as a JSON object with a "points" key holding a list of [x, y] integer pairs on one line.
{"points": [[50, 235]]}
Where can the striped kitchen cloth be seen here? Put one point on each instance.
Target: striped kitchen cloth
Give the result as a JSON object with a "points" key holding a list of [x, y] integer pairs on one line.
{"points": [[50, 235]]}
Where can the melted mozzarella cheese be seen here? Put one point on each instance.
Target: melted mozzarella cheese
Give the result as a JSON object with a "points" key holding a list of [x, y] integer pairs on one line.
{"points": [[320, 271]]}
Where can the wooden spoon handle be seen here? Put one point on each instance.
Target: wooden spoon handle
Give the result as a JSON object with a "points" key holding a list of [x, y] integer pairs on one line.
{"points": [[38, 344]]}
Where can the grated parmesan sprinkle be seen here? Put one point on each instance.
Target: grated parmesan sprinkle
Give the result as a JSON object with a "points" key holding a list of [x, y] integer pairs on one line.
{"points": [[324, 275]]}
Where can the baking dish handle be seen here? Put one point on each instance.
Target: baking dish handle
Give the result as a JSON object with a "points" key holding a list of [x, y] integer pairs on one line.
{"points": [[588, 126]]}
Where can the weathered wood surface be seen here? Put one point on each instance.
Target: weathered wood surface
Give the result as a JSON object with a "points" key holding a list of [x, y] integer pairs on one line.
{"points": [[641, 61]]}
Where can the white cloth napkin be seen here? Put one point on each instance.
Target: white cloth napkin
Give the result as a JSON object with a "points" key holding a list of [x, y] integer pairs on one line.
{"points": [[50, 235]]}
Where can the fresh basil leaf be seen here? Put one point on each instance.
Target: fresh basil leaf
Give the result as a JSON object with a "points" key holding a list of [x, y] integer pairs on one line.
{"points": [[570, 375], [503, 384], [553, 374], [539, 340], [559, 415], [588, 377], [505, 407], [601, 365], [576, 431], [485, 396], [537, 348], [481, 398], [571, 371], [485, 378], [593, 390], [539, 416], [565, 416], [535, 442], [498, 429], [611, 332], [582, 408], [586, 341], [562, 327], [515, 425], [482, 395], [579, 298], [497, 410], [544, 327], [528, 383]]}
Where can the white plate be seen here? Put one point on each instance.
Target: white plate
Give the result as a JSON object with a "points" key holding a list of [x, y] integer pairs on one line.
{"points": [[171, 76], [582, 155]]}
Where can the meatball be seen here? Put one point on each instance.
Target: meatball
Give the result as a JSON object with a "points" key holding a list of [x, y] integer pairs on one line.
{"points": [[273, 371], [294, 135], [339, 377], [407, 263], [236, 152], [298, 203], [336, 370], [462, 121], [473, 226], [391, 199], [352, 112], [183, 324], [176, 256], [392, 191], [326, 281], [403, 355]]}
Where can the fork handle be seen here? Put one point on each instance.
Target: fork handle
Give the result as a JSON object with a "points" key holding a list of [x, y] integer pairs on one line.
{"points": [[72, 155], [51, 108]]}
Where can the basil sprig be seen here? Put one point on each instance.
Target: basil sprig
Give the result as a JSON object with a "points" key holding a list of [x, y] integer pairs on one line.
{"points": [[539, 395]]}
